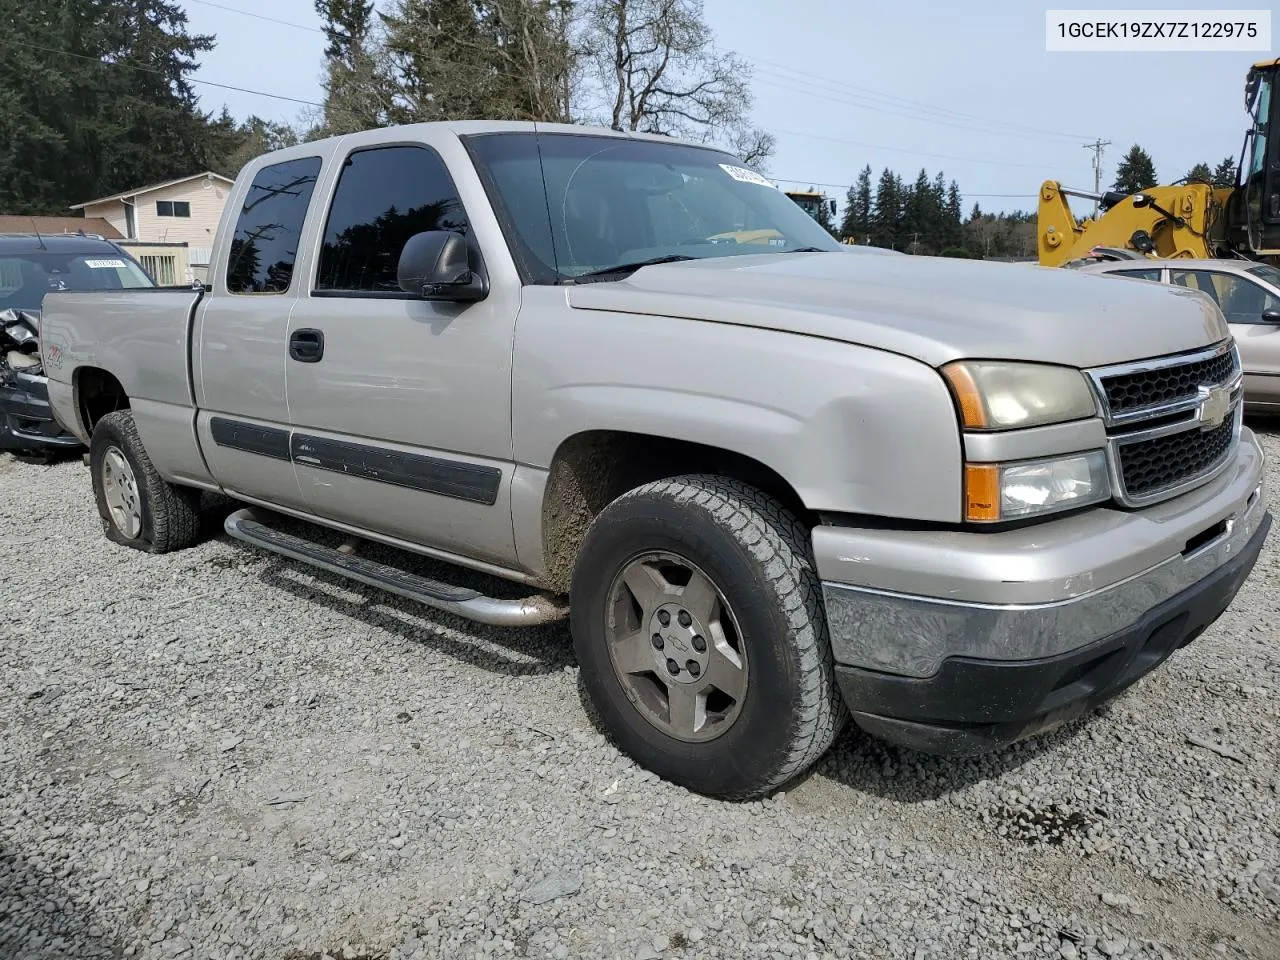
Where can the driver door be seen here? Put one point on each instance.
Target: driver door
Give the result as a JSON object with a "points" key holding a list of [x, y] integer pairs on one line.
{"points": [[401, 407]]}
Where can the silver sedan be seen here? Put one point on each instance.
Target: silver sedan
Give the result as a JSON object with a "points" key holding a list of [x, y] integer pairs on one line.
{"points": [[1248, 294]]}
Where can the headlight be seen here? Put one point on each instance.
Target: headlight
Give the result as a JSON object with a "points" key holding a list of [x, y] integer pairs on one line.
{"points": [[994, 395], [1007, 491]]}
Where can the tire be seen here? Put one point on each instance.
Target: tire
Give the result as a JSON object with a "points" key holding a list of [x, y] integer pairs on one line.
{"points": [[761, 725], [147, 513]]}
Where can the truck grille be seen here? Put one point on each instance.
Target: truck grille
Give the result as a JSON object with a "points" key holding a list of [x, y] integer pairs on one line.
{"points": [[1148, 388], [1151, 465], [1172, 423]]}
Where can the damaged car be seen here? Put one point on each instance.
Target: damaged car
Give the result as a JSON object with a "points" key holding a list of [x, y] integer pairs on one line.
{"points": [[30, 266]]}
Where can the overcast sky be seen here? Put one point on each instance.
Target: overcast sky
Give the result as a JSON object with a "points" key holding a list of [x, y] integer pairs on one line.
{"points": [[961, 87]]}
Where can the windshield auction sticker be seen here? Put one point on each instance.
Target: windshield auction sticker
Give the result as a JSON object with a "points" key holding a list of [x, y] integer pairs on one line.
{"points": [[105, 264], [747, 176], [1157, 31]]}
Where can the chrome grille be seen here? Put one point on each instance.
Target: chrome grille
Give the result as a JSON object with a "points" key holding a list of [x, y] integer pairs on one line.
{"points": [[1151, 465], [1130, 392], [1172, 423]]}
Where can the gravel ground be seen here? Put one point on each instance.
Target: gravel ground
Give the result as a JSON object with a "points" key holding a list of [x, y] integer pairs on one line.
{"points": [[217, 754]]}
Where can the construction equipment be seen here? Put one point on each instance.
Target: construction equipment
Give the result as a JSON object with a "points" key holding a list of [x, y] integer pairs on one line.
{"points": [[1184, 219], [813, 203]]}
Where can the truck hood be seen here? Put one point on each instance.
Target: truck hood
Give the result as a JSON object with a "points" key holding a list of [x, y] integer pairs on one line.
{"points": [[932, 309]]}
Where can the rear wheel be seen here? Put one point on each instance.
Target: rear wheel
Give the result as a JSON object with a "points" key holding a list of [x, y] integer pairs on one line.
{"points": [[698, 624], [139, 509]]}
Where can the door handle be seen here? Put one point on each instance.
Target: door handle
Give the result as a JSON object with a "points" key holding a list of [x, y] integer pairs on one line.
{"points": [[306, 346]]}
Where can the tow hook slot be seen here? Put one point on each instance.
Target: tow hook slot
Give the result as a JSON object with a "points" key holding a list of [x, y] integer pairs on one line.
{"points": [[1207, 537]]}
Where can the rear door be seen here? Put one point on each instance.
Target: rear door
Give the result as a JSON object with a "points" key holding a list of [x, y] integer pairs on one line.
{"points": [[402, 425], [242, 332]]}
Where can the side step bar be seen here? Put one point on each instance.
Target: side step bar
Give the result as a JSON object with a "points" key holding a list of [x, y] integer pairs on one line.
{"points": [[471, 604]]}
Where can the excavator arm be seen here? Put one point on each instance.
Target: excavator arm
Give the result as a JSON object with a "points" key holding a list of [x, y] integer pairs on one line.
{"points": [[1163, 222]]}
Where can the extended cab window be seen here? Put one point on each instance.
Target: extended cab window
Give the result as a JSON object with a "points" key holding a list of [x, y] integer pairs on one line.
{"points": [[384, 196], [265, 244], [1139, 274]]}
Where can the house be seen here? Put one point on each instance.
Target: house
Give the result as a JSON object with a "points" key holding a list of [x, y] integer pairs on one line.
{"points": [[168, 226]]}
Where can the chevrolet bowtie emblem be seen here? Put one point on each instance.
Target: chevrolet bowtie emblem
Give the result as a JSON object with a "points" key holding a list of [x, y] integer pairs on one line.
{"points": [[1215, 402]]}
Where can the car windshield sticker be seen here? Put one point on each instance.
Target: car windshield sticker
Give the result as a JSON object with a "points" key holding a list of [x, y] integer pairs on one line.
{"points": [[747, 176], [105, 264]]}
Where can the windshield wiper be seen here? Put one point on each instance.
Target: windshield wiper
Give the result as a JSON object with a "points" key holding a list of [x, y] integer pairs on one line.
{"points": [[808, 250], [632, 267]]}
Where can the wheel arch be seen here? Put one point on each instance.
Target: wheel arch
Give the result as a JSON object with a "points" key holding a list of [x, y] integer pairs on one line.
{"points": [[593, 468], [97, 392]]}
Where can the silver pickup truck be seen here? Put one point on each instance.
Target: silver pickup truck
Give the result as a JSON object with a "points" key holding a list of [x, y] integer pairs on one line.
{"points": [[773, 482]]}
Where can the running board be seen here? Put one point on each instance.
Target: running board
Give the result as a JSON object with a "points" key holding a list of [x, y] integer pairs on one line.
{"points": [[471, 604]]}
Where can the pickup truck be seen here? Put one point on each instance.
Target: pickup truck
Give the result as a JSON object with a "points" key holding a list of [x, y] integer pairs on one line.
{"points": [[773, 482]]}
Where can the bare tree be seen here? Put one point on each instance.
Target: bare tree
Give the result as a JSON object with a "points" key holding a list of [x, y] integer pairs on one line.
{"points": [[657, 67]]}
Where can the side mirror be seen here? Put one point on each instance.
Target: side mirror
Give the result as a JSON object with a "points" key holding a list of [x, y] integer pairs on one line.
{"points": [[833, 207], [1271, 316], [436, 265], [1141, 200]]}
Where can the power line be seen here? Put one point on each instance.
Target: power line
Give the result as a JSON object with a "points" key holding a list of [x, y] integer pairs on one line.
{"points": [[823, 93], [136, 66], [257, 16], [916, 104], [918, 153]]}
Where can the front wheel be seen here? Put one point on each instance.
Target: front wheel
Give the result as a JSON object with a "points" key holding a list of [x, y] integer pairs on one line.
{"points": [[139, 509], [698, 624]]}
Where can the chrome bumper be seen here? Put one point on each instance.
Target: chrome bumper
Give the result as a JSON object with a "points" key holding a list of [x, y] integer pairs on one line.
{"points": [[902, 602]]}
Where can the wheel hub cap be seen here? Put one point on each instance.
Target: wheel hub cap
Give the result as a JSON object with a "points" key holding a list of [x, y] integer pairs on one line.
{"points": [[675, 647], [120, 489]]}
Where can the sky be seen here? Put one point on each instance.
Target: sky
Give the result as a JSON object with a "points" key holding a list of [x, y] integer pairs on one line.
{"points": [[961, 87]]}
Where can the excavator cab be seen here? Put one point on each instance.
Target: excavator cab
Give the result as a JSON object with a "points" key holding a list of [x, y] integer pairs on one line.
{"points": [[1253, 210]]}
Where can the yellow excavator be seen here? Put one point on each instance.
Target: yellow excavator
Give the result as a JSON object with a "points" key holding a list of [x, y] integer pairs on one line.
{"points": [[1185, 219]]}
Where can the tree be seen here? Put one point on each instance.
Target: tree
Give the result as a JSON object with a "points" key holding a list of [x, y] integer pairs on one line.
{"points": [[357, 95], [1135, 172], [886, 211], [1200, 173], [113, 109], [458, 59], [1224, 174], [659, 71], [857, 208]]}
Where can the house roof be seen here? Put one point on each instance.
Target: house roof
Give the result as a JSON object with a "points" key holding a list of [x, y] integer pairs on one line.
{"points": [[58, 225], [153, 186]]}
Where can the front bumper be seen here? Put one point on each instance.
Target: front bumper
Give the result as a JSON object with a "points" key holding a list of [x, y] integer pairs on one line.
{"points": [[1037, 625], [27, 424]]}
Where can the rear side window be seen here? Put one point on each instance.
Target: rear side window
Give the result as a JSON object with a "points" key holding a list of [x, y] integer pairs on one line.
{"points": [[265, 244], [384, 196], [1139, 274]]}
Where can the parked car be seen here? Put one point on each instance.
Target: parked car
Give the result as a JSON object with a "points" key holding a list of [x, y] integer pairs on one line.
{"points": [[1248, 294], [30, 266], [771, 485]]}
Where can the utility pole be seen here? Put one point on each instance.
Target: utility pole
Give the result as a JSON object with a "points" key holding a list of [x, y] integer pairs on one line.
{"points": [[1096, 147]]}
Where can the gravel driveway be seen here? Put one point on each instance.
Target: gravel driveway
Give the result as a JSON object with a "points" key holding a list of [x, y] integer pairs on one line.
{"points": [[217, 754]]}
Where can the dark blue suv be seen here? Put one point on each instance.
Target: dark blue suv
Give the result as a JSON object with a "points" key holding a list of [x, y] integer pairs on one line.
{"points": [[30, 266]]}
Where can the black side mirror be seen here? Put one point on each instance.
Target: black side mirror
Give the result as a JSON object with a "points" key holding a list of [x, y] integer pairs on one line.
{"points": [[436, 265], [1271, 316], [1141, 200]]}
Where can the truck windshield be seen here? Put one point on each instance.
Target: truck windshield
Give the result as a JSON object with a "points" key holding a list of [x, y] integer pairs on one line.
{"points": [[25, 278], [574, 205]]}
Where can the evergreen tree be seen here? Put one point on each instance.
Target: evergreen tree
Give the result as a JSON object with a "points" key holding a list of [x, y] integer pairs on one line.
{"points": [[886, 211], [95, 98], [1200, 173], [1224, 174], [857, 210], [1135, 172]]}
